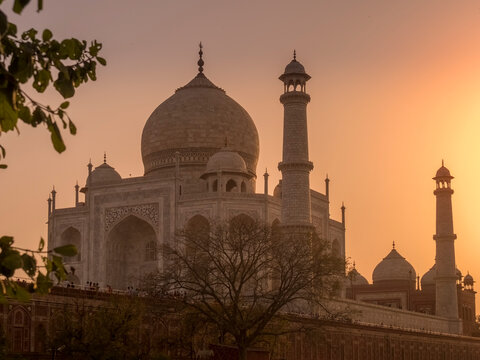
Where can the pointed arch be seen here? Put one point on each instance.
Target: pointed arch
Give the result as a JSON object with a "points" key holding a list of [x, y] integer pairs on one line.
{"points": [[71, 236], [231, 186], [127, 246], [242, 220], [197, 232], [18, 330]]}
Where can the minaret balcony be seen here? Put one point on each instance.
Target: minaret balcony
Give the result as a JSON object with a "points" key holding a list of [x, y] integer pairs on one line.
{"points": [[295, 165], [295, 96], [440, 238]]}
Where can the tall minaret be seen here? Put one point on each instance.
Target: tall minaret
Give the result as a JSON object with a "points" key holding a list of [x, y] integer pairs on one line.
{"points": [[295, 167], [445, 280]]}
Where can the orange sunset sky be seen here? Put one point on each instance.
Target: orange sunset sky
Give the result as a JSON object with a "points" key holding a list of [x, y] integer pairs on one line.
{"points": [[395, 89]]}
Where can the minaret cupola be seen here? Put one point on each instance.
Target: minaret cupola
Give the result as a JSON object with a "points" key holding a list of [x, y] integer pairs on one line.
{"points": [[443, 178], [295, 78]]}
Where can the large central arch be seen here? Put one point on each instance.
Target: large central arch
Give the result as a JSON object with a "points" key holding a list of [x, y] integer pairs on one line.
{"points": [[132, 251]]}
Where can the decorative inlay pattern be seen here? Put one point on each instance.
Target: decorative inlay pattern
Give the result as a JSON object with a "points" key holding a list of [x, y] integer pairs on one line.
{"points": [[147, 211], [234, 212]]}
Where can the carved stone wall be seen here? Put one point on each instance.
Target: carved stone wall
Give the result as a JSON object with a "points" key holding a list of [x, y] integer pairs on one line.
{"points": [[147, 212]]}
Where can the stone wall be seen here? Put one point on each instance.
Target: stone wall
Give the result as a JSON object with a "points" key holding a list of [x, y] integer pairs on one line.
{"points": [[371, 314]]}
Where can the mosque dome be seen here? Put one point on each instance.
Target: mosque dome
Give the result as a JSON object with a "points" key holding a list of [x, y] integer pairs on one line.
{"points": [[429, 277], [355, 278], [102, 175], [193, 124], [226, 161], [393, 267]]}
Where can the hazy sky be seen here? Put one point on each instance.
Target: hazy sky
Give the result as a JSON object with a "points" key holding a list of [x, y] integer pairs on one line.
{"points": [[395, 88]]}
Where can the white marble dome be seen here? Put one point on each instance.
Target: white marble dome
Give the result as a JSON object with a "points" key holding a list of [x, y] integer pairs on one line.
{"points": [[393, 267], [103, 175], [193, 124], [226, 161]]}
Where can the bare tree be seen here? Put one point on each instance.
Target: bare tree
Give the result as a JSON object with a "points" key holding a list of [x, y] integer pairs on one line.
{"points": [[240, 275]]}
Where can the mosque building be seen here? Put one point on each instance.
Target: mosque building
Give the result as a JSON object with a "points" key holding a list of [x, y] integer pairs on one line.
{"points": [[442, 290], [200, 150]]}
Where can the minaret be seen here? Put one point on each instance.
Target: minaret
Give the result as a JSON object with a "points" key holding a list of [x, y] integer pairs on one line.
{"points": [[54, 195], [76, 193], [445, 279], [295, 167], [327, 187], [265, 186]]}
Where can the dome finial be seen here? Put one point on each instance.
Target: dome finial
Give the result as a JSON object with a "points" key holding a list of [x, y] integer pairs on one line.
{"points": [[294, 55], [393, 244], [442, 163], [104, 157], [200, 62]]}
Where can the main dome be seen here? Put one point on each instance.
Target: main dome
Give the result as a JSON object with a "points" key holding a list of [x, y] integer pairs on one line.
{"points": [[193, 124], [393, 267]]}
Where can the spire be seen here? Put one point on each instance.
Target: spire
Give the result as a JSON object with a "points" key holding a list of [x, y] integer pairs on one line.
{"points": [[89, 166], [200, 62], [54, 193], [343, 213], [327, 187], [265, 187], [76, 193], [49, 200]]}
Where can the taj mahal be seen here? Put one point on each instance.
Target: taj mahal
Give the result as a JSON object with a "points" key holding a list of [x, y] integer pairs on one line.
{"points": [[200, 150]]}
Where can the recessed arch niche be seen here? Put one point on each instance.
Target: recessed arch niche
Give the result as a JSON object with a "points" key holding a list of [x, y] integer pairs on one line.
{"points": [[197, 231], [72, 236], [18, 330], [129, 252]]}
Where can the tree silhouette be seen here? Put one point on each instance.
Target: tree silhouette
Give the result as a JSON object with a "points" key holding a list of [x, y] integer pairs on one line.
{"points": [[240, 275]]}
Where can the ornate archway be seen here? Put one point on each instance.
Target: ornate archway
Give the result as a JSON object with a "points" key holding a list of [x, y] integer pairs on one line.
{"points": [[131, 252]]}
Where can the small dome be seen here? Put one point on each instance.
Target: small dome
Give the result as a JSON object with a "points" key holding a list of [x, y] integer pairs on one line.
{"points": [[429, 277], [277, 192], [458, 273], [468, 280], [443, 172], [355, 278], [102, 175], [294, 68], [226, 161], [393, 267]]}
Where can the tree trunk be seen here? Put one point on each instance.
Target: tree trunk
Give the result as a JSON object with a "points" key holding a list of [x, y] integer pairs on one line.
{"points": [[242, 353]]}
